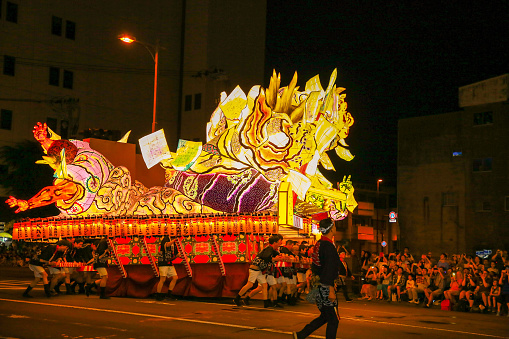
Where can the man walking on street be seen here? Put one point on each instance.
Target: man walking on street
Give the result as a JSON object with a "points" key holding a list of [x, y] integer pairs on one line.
{"points": [[325, 264]]}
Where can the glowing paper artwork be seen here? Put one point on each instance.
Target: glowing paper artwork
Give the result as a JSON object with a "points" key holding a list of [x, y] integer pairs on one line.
{"points": [[154, 148], [262, 154]]}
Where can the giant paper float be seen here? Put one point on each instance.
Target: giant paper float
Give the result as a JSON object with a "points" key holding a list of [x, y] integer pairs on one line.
{"points": [[257, 171]]}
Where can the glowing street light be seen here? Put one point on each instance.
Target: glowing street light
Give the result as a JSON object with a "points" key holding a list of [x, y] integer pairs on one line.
{"points": [[154, 52], [127, 39]]}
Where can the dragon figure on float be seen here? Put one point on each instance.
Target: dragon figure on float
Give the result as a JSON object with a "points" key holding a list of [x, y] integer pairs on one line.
{"points": [[257, 143]]}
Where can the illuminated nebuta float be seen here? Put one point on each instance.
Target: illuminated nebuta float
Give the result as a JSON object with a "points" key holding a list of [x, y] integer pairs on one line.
{"points": [[256, 174]]}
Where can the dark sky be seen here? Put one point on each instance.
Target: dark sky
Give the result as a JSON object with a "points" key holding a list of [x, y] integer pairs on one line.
{"points": [[397, 59]]}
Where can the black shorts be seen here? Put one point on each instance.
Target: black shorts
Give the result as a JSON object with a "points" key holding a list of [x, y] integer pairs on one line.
{"points": [[503, 298]]}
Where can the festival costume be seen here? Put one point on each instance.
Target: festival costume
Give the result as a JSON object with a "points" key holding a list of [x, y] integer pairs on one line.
{"points": [[165, 263], [325, 264], [101, 263], [258, 270], [48, 253]]}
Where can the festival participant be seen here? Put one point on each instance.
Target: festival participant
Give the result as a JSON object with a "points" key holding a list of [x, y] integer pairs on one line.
{"points": [[101, 252], [86, 254], [302, 269], [71, 257], [288, 273], [81, 256], [325, 265], [273, 286], [49, 255], [257, 270], [168, 251], [344, 274]]}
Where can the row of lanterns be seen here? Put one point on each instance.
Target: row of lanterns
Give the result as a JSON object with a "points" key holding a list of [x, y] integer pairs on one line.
{"points": [[159, 225]]}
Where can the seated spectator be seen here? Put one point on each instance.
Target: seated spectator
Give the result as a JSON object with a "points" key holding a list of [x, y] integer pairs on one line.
{"points": [[386, 276], [424, 262], [493, 268], [408, 256], [380, 261], [499, 259], [410, 285], [483, 291], [455, 287], [421, 283], [474, 264], [397, 285], [469, 289], [366, 262], [443, 262], [438, 282], [493, 296], [503, 298], [368, 290]]}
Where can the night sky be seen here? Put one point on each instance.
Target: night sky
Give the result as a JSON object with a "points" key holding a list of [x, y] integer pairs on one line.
{"points": [[396, 59]]}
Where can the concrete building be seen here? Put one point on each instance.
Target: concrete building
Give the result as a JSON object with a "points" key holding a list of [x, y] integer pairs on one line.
{"points": [[453, 174], [369, 224]]}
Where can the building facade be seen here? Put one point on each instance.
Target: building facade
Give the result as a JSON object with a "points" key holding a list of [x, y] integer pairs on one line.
{"points": [[62, 63], [453, 174], [370, 225]]}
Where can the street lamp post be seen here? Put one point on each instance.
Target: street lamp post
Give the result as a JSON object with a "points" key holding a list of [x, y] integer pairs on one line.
{"points": [[377, 207], [154, 52]]}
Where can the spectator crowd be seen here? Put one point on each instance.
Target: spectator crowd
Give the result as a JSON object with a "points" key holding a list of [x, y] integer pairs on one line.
{"points": [[457, 282]]}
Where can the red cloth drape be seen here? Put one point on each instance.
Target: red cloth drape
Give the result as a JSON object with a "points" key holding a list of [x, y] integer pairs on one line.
{"points": [[207, 281]]}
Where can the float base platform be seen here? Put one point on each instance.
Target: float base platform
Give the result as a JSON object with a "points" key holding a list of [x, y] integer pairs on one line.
{"points": [[206, 282]]}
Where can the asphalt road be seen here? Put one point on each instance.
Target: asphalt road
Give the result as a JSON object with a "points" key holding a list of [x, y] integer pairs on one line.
{"points": [[81, 317]]}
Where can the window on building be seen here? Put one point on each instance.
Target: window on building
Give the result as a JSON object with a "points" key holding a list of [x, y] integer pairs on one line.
{"points": [[64, 129], [457, 154], [197, 101], [68, 79], [425, 210], [483, 118], [482, 206], [482, 165], [9, 65], [4, 169], [11, 12], [6, 119], [56, 25], [450, 199], [70, 29], [52, 123], [506, 204], [188, 103], [54, 76]]}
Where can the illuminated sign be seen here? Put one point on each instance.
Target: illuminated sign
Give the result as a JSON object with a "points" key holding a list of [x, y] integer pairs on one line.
{"points": [[484, 254], [393, 216]]}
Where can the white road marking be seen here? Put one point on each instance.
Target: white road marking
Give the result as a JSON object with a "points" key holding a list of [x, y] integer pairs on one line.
{"points": [[157, 316], [248, 327], [371, 321]]}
